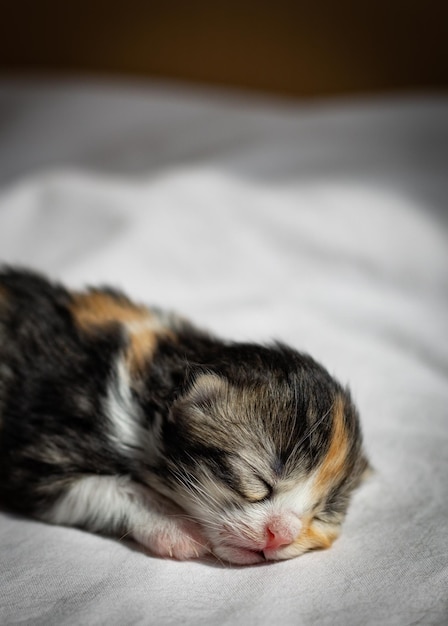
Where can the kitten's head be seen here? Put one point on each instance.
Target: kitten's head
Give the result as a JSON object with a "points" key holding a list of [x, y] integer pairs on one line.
{"points": [[264, 451]]}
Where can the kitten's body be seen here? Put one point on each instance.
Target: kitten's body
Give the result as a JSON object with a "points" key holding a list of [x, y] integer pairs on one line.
{"points": [[130, 421]]}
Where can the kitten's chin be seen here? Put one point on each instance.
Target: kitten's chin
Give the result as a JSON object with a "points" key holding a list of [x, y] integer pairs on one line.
{"points": [[238, 556], [282, 554], [245, 556]]}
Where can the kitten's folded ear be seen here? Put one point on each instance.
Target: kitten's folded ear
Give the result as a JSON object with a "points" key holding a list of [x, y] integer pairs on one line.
{"points": [[205, 391], [206, 388], [197, 416]]}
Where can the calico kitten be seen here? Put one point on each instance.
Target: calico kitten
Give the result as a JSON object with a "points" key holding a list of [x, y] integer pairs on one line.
{"points": [[127, 420]]}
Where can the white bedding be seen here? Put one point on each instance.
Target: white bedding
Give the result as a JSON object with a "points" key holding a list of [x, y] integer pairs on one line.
{"points": [[323, 226]]}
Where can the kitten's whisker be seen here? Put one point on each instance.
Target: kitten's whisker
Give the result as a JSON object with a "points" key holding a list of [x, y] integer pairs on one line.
{"points": [[194, 483], [195, 489]]}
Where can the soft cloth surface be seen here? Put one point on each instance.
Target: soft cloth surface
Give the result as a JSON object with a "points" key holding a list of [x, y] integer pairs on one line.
{"points": [[321, 226]]}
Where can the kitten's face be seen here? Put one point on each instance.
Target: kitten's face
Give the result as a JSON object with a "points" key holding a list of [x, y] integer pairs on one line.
{"points": [[266, 468]]}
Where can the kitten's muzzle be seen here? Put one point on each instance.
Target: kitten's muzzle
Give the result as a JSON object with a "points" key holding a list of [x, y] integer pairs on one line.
{"points": [[279, 530]]}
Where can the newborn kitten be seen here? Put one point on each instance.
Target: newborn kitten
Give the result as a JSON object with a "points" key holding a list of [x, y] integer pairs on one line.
{"points": [[130, 421]]}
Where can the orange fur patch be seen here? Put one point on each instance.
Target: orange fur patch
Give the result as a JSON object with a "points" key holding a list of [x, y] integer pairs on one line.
{"points": [[96, 309], [332, 467], [316, 537], [141, 348]]}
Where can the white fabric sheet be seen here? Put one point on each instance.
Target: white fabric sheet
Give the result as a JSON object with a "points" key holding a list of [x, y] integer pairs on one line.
{"points": [[323, 226]]}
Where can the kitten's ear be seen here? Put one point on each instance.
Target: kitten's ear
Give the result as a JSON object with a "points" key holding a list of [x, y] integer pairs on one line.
{"points": [[196, 403], [206, 389]]}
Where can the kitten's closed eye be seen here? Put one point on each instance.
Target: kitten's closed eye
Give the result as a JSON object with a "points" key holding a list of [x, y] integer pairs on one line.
{"points": [[258, 491], [251, 486]]}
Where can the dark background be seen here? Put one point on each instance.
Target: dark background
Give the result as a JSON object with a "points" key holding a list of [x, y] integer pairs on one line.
{"points": [[303, 48]]}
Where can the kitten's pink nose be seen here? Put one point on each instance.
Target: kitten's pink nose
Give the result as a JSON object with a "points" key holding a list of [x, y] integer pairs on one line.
{"points": [[281, 530]]}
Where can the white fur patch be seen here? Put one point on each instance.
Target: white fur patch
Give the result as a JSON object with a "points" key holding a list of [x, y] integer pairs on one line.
{"points": [[299, 499], [121, 410], [98, 502], [126, 431], [109, 503]]}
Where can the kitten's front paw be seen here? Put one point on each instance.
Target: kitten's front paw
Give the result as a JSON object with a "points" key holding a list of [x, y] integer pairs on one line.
{"points": [[175, 539]]}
